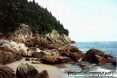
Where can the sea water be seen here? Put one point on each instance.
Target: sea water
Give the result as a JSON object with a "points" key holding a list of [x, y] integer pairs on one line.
{"points": [[107, 47]]}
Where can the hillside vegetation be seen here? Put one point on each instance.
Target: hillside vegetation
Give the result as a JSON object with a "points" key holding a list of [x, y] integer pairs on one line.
{"points": [[40, 20]]}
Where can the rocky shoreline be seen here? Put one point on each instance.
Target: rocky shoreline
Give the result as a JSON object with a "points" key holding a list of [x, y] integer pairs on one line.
{"points": [[49, 49], [51, 55]]}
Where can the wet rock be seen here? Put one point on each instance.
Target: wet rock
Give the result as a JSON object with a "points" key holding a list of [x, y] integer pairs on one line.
{"points": [[96, 56], [43, 74], [102, 60], [26, 71], [27, 59], [6, 72], [76, 55], [114, 63]]}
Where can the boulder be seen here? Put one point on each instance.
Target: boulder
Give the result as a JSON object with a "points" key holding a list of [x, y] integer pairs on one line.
{"points": [[26, 71], [38, 54], [114, 63], [43, 74], [102, 60], [6, 72], [76, 55], [8, 57], [71, 51], [49, 59], [22, 53], [96, 56], [63, 59], [90, 57]]}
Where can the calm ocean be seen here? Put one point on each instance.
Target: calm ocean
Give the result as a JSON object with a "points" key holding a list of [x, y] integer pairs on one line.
{"points": [[108, 47]]}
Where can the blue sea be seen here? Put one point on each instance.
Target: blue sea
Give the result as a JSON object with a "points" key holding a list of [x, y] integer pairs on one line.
{"points": [[108, 47]]}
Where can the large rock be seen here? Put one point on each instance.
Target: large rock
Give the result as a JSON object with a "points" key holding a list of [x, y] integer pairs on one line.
{"points": [[26, 71], [49, 59], [43, 74], [23, 33], [71, 52], [7, 57], [6, 72], [96, 56]]}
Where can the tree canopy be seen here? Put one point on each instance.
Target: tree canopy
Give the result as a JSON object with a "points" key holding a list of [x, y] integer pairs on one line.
{"points": [[15, 12]]}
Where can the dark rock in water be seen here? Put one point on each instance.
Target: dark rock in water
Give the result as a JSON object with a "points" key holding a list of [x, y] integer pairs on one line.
{"points": [[26, 71], [114, 63], [6, 72], [96, 56], [27, 59], [43, 74], [102, 60], [90, 57]]}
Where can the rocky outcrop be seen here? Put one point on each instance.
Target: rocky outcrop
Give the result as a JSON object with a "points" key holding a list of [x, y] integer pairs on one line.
{"points": [[55, 60], [55, 37], [97, 57], [22, 34], [28, 71], [71, 52], [6, 72]]}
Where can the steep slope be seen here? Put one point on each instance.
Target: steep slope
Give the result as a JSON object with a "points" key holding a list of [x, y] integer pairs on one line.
{"points": [[40, 20]]}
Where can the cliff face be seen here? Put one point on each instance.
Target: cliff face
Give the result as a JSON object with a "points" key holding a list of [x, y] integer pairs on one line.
{"points": [[24, 34], [58, 38]]}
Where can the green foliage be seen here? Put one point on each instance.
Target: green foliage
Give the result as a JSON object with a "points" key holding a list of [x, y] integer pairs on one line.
{"points": [[15, 12]]}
